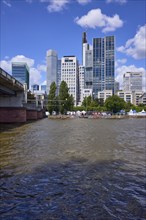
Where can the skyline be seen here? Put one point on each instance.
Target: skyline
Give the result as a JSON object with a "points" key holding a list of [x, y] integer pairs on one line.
{"points": [[31, 27]]}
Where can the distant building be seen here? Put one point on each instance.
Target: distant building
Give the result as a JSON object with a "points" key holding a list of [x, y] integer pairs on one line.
{"points": [[89, 68], [105, 94], [87, 92], [132, 81], [20, 71], [69, 74], [103, 64], [134, 97], [81, 83], [35, 87], [43, 88], [142, 99], [52, 62], [117, 87], [58, 75]]}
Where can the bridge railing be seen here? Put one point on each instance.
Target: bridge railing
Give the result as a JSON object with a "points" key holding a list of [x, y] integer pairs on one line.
{"points": [[8, 76]]}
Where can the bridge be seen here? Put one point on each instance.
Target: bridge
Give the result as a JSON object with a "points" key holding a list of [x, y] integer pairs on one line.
{"points": [[8, 84], [13, 101]]}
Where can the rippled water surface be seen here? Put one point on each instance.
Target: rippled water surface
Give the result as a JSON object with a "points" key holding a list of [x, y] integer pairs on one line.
{"points": [[73, 169]]}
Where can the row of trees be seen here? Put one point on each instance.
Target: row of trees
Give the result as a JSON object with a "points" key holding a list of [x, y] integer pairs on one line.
{"points": [[113, 104], [63, 102]]}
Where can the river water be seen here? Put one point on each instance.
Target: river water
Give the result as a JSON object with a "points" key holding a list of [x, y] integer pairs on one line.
{"points": [[73, 169]]}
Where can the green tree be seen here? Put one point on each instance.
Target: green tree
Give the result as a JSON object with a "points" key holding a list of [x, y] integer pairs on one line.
{"points": [[70, 103], [52, 98], [65, 99], [87, 101], [114, 103]]}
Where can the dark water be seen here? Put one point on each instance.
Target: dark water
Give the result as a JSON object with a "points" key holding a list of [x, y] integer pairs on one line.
{"points": [[74, 169]]}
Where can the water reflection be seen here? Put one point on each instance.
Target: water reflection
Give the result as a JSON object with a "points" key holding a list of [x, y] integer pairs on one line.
{"points": [[74, 169]]}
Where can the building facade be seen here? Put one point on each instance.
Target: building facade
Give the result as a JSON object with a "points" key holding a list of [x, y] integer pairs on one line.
{"points": [[105, 94], [35, 87], [58, 75], [69, 74], [132, 81], [52, 63], [20, 71], [134, 97], [81, 83], [103, 64]]}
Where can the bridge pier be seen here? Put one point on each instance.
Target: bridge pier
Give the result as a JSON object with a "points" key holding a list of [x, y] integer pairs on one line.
{"points": [[12, 114]]}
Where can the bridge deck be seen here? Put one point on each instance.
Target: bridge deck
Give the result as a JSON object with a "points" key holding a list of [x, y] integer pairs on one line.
{"points": [[8, 84]]}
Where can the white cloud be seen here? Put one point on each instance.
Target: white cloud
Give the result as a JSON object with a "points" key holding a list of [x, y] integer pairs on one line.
{"points": [[7, 3], [35, 76], [42, 68], [21, 58], [95, 18], [83, 2], [116, 1], [35, 73], [120, 61], [6, 65], [136, 46], [120, 70], [56, 6], [44, 83]]}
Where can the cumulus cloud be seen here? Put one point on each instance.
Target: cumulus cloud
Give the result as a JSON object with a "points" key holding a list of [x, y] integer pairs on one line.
{"points": [[44, 83], [95, 18], [56, 6], [41, 68], [116, 1], [120, 70], [35, 73], [7, 3], [22, 58], [35, 76], [83, 2], [120, 61], [136, 46]]}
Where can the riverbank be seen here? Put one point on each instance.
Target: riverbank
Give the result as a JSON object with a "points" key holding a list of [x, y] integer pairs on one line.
{"points": [[95, 117]]}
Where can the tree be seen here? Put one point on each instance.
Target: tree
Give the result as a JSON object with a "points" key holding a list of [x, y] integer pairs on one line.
{"points": [[52, 98], [64, 98], [87, 101], [114, 103]]}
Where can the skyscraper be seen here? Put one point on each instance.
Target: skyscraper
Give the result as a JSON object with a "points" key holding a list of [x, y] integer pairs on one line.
{"points": [[103, 64], [20, 71], [69, 73], [52, 60], [58, 75], [132, 81]]}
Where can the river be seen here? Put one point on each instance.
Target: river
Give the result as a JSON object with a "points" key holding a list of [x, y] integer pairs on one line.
{"points": [[73, 169]]}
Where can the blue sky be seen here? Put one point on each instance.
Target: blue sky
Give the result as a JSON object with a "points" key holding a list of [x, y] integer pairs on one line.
{"points": [[31, 27]]}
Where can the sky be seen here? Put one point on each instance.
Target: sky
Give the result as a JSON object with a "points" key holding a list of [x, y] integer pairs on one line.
{"points": [[28, 28]]}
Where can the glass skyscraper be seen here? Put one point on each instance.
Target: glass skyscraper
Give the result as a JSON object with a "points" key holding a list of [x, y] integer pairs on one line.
{"points": [[20, 71], [52, 63], [103, 64]]}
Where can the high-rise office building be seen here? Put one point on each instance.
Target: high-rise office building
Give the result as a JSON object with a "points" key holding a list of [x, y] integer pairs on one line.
{"points": [[20, 71], [58, 75], [43, 88], [85, 46], [35, 87], [103, 64], [89, 68], [132, 81], [81, 83], [69, 73], [52, 61]]}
